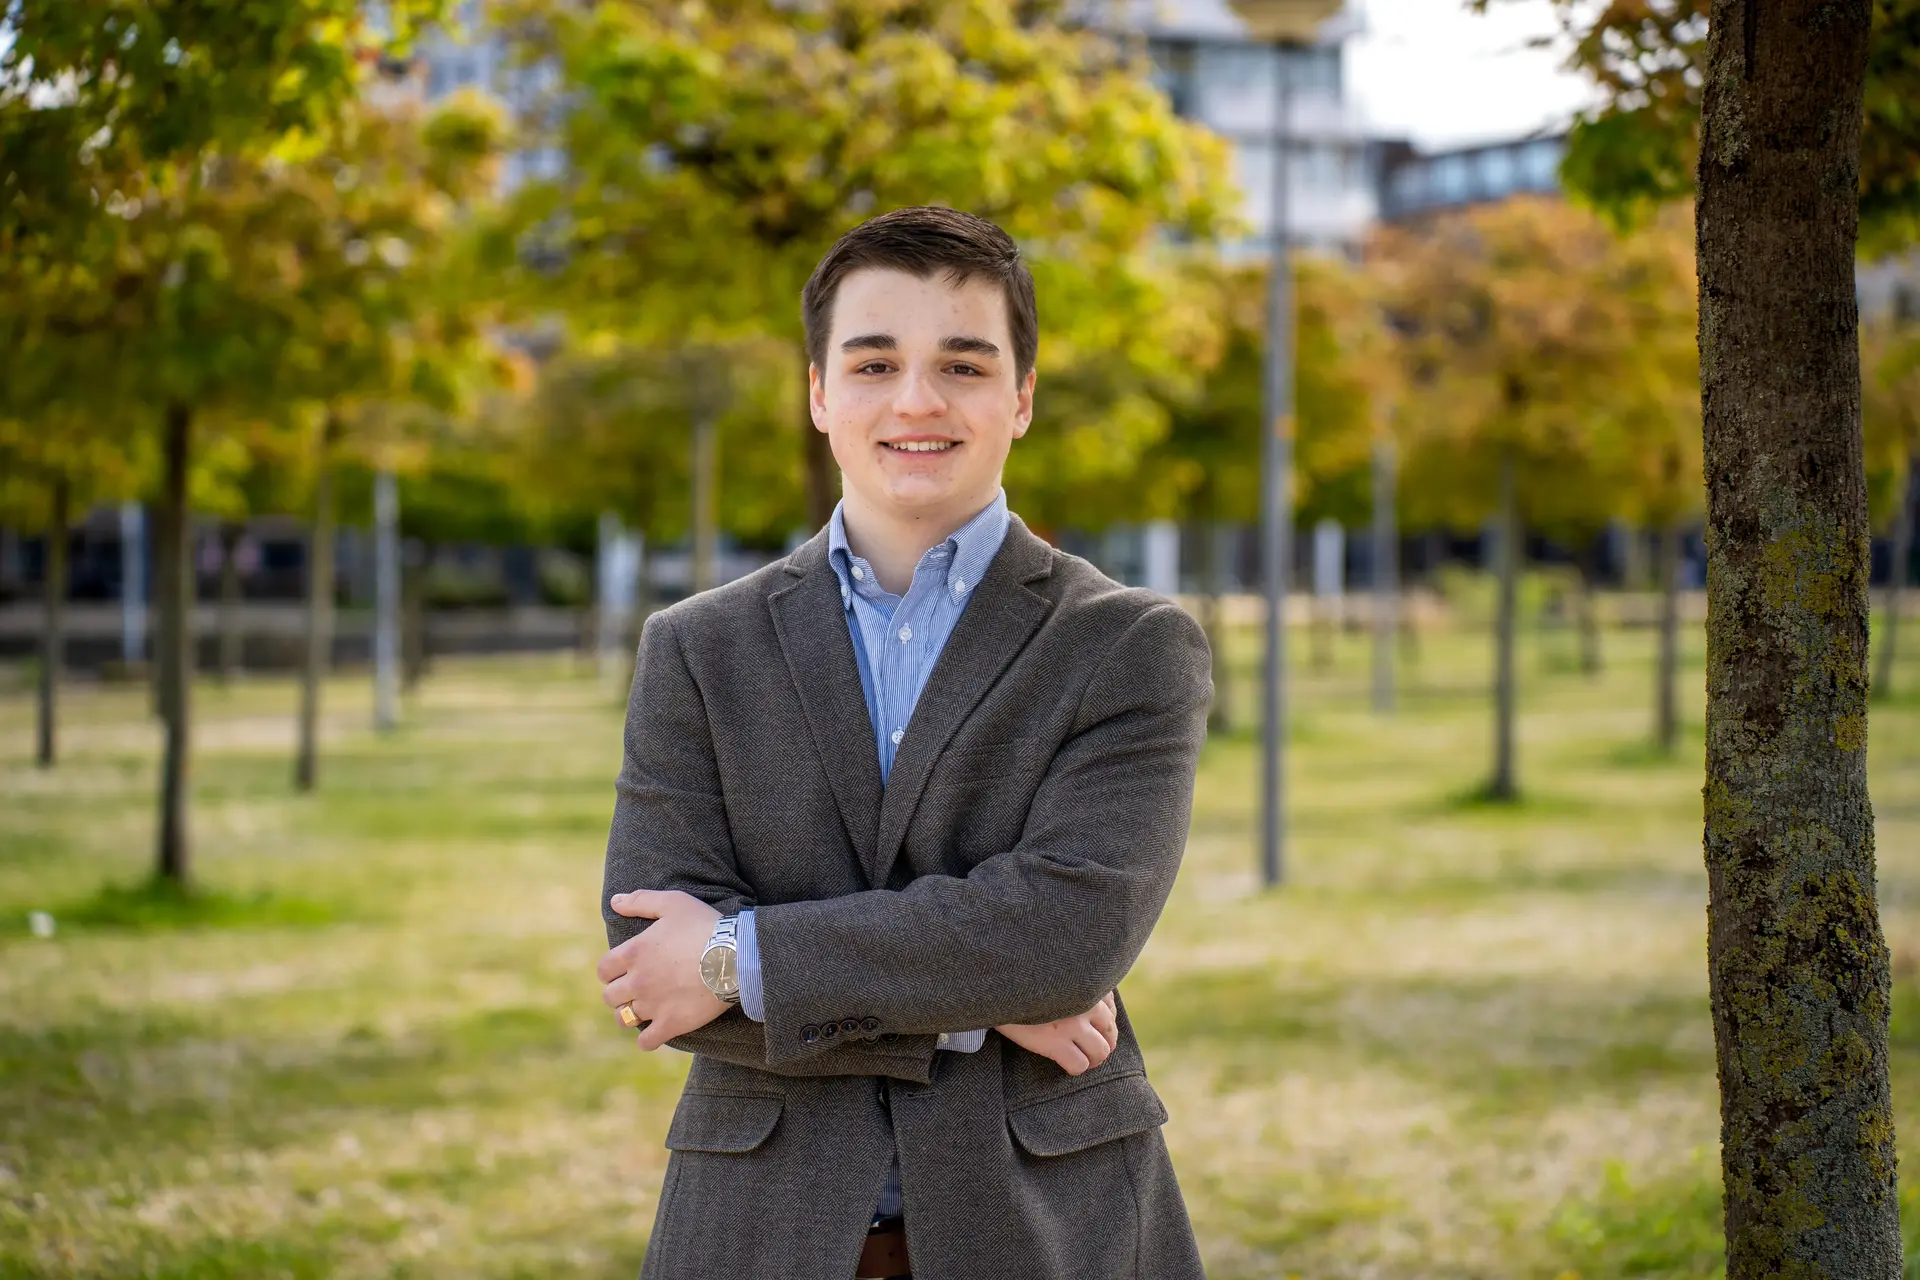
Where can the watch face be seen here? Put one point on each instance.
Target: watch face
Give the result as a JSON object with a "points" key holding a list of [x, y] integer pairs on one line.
{"points": [[720, 972]]}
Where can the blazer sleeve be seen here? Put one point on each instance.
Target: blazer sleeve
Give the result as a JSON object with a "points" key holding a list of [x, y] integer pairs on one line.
{"points": [[1046, 928], [670, 832]]}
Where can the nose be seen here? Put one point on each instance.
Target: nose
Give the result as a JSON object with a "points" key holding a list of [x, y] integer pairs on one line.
{"points": [[918, 398]]}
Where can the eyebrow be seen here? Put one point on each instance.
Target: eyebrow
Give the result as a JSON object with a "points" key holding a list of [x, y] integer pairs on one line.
{"points": [[958, 343], [969, 346]]}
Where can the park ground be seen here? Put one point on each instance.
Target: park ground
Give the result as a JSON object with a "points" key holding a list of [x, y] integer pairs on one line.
{"points": [[1465, 1041]]}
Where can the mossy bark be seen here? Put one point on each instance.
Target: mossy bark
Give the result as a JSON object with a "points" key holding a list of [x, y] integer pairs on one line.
{"points": [[53, 638], [173, 646], [1798, 967]]}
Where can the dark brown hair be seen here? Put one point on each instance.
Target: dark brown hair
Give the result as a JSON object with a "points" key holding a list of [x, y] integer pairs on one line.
{"points": [[920, 241]]}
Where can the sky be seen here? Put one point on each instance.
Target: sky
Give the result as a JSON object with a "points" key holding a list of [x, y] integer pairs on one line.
{"points": [[1432, 71]]}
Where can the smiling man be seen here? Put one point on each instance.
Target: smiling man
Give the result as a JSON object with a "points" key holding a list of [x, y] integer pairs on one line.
{"points": [[896, 816]]}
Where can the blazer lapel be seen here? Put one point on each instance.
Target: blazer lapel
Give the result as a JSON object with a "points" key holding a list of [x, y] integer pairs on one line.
{"points": [[810, 619], [999, 620]]}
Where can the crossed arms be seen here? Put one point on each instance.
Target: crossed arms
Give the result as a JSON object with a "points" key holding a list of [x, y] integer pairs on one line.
{"points": [[1034, 934]]}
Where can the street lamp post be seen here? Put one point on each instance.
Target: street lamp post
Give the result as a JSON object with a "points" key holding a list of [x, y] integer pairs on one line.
{"points": [[1285, 24]]}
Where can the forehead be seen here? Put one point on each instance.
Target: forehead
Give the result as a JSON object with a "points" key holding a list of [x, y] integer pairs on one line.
{"points": [[884, 300]]}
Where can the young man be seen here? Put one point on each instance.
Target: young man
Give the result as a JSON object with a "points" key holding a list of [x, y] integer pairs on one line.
{"points": [[926, 776]]}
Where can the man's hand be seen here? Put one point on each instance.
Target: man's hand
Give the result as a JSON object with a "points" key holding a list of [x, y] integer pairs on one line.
{"points": [[658, 972], [1077, 1044]]}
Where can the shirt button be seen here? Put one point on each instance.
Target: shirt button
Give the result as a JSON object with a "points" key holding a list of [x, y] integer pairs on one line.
{"points": [[959, 585], [897, 735], [906, 634], [941, 1039], [859, 574]]}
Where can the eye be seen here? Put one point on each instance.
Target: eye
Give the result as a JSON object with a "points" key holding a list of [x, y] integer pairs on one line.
{"points": [[873, 367], [966, 369]]}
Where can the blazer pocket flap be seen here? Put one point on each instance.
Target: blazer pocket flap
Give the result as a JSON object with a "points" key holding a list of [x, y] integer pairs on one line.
{"points": [[722, 1122], [1088, 1117]]}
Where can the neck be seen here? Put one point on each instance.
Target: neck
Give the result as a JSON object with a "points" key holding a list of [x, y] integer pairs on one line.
{"points": [[893, 542]]}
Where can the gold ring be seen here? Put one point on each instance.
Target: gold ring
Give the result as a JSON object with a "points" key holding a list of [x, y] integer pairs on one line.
{"points": [[627, 1016]]}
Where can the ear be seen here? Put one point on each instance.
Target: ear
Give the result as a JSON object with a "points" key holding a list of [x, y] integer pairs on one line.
{"points": [[1023, 412], [817, 396]]}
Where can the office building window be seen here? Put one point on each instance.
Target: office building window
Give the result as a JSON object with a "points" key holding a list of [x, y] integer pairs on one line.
{"points": [[1541, 162], [1450, 179], [1499, 172]]}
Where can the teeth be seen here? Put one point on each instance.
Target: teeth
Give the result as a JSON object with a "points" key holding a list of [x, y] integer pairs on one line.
{"points": [[921, 446]]}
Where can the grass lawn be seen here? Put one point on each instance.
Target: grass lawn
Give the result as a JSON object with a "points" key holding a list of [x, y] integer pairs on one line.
{"points": [[1463, 1042]]}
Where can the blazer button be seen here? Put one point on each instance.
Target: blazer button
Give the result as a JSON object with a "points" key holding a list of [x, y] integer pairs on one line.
{"points": [[810, 1034], [850, 1025], [828, 1030], [870, 1024]]}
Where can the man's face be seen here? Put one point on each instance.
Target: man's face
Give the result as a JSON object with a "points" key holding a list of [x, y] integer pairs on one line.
{"points": [[918, 395]]}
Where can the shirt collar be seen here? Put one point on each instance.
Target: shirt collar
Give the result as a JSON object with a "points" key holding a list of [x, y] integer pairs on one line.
{"points": [[970, 549]]}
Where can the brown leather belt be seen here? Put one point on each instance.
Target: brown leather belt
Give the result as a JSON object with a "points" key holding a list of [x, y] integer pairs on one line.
{"points": [[884, 1256]]}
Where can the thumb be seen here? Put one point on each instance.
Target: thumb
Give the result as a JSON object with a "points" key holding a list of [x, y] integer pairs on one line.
{"points": [[642, 903]]}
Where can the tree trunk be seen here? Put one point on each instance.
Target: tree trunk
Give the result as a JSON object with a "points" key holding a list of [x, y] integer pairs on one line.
{"points": [[1896, 582], [1666, 722], [706, 504], [1502, 785], [1586, 610], [1798, 966], [165, 588], [231, 639], [319, 618], [1386, 573], [53, 645], [174, 644]]}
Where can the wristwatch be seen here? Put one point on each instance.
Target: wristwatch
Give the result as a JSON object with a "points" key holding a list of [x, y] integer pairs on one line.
{"points": [[719, 967]]}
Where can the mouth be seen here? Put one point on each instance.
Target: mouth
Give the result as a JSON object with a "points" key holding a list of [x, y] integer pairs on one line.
{"points": [[920, 446]]}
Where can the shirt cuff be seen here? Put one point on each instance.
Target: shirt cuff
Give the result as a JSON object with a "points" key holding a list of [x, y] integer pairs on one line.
{"points": [[962, 1041], [746, 959]]}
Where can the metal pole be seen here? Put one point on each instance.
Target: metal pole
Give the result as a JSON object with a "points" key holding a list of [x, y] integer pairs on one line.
{"points": [[386, 602], [1276, 496], [1386, 571]]}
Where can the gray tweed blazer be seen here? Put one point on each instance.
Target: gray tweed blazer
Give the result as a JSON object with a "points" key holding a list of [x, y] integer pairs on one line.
{"points": [[1010, 871]]}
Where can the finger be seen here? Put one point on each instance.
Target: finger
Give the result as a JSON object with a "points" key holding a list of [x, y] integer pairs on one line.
{"points": [[1072, 1059], [645, 904], [612, 964], [1091, 1043], [1111, 1001], [1108, 1026], [656, 1033], [619, 960], [626, 987]]}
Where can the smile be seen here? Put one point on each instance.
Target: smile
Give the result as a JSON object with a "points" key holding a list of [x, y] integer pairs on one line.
{"points": [[920, 446]]}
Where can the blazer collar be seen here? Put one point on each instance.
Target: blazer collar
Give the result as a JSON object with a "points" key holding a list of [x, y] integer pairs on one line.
{"points": [[810, 621]]}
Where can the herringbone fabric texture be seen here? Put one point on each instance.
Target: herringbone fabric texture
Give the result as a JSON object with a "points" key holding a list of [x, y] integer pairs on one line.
{"points": [[1010, 871]]}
